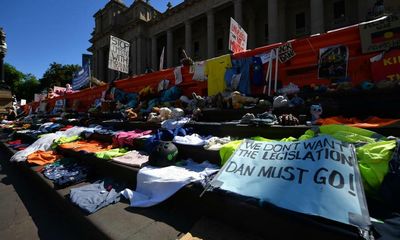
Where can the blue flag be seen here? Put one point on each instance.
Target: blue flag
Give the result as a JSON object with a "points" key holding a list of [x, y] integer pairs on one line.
{"points": [[81, 78]]}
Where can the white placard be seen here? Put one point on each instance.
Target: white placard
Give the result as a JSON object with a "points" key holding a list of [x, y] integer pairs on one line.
{"points": [[237, 37], [119, 55], [319, 177]]}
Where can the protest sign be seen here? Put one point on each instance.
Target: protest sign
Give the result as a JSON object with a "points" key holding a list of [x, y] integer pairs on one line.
{"points": [[119, 55], [381, 34], [286, 52], [237, 38], [319, 177]]}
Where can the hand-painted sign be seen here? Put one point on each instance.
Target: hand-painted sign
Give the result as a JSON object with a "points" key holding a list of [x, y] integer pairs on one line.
{"points": [[119, 55], [381, 34], [319, 177], [237, 38], [286, 52]]}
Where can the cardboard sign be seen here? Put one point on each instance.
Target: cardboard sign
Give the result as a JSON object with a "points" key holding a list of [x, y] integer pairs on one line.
{"points": [[237, 38], [333, 62], [319, 177], [286, 52], [381, 34], [57, 89], [39, 97], [119, 55], [386, 66]]}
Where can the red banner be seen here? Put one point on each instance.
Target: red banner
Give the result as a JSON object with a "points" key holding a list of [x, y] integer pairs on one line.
{"points": [[388, 67]]}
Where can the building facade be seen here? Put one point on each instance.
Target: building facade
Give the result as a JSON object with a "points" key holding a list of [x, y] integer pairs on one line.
{"points": [[201, 27]]}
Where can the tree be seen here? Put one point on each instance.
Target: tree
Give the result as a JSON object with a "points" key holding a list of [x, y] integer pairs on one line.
{"points": [[12, 76], [27, 88], [22, 85], [58, 75]]}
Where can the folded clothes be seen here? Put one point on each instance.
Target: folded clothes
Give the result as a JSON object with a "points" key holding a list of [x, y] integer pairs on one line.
{"points": [[91, 146], [215, 143], [133, 158], [194, 139], [109, 154], [65, 172], [95, 196], [42, 157], [123, 139]]}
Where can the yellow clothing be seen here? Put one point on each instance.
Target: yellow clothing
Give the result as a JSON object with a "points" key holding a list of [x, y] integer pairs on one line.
{"points": [[215, 70]]}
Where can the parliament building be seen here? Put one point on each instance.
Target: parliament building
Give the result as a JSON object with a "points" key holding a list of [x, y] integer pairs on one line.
{"points": [[201, 27]]}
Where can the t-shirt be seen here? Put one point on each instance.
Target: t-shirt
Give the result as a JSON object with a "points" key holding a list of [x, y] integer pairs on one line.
{"points": [[93, 197], [133, 158], [178, 75], [42, 157], [244, 68], [215, 70], [198, 74]]}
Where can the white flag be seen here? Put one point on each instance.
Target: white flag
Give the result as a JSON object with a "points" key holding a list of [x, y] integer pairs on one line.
{"points": [[162, 59]]}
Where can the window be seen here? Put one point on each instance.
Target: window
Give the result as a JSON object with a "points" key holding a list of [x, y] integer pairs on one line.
{"points": [[180, 53], [196, 48], [300, 21], [220, 44], [339, 10]]}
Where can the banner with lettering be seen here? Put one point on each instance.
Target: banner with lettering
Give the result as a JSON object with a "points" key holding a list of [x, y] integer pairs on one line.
{"points": [[319, 177], [237, 37], [386, 66]]}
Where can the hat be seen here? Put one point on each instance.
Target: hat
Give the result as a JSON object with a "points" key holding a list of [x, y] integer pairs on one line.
{"points": [[163, 155]]}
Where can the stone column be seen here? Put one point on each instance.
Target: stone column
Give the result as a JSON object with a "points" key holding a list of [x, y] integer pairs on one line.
{"points": [[139, 47], [100, 66], [170, 48], [134, 57], [362, 10], [251, 43], [273, 24], [188, 38], [317, 16], [237, 5], [210, 34], [154, 56]]}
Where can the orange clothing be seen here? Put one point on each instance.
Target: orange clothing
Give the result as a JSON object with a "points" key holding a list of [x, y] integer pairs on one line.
{"points": [[43, 157], [92, 146], [371, 122]]}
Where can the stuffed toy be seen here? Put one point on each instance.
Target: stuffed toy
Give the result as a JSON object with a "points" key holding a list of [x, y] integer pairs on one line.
{"points": [[316, 111], [197, 102], [238, 100], [131, 114], [280, 101], [177, 113], [153, 117]]}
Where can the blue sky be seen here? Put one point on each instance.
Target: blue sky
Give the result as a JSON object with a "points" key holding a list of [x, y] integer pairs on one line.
{"points": [[40, 32]]}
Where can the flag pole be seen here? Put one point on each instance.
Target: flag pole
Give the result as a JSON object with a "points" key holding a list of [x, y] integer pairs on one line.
{"points": [[90, 75]]}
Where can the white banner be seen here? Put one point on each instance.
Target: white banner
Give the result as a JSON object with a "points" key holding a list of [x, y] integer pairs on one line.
{"points": [[237, 37], [119, 55], [319, 177]]}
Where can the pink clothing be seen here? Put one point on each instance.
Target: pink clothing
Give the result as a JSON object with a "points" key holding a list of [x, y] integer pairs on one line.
{"points": [[122, 139]]}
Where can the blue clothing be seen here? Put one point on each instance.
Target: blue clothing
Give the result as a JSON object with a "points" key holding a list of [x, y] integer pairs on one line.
{"points": [[258, 78], [172, 94], [243, 67], [229, 75], [95, 196], [65, 172]]}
